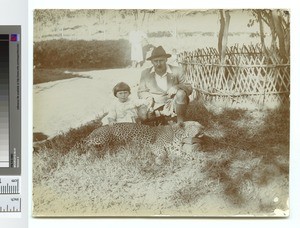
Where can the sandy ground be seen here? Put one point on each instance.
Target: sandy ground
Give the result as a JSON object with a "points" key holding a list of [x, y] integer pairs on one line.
{"points": [[65, 104]]}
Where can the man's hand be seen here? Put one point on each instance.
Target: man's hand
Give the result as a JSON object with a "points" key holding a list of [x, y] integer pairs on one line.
{"points": [[142, 112], [172, 91]]}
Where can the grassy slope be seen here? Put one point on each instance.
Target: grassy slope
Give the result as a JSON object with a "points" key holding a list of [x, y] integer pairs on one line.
{"points": [[242, 168]]}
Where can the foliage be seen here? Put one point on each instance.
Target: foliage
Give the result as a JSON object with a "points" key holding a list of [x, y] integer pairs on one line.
{"points": [[81, 54], [278, 21], [160, 34]]}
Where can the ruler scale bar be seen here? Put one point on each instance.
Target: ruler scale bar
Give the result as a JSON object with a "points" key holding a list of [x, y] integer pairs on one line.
{"points": [[10, 195], [9, 185], [10, 203]]}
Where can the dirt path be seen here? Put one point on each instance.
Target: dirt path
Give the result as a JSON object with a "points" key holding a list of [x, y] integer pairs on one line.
{"points": [[65, 104]]}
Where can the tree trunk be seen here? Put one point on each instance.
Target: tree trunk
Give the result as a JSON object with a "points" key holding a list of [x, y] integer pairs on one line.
{"points": [[280, 34], [273, 32], [222, 45], [262, 33], [223, 34]]}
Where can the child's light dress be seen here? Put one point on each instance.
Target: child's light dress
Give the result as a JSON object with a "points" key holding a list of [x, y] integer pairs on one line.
{"points": [[125, 112]]}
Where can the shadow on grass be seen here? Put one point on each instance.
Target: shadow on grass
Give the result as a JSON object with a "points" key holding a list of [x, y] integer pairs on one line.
{"points": [[268, 143]]}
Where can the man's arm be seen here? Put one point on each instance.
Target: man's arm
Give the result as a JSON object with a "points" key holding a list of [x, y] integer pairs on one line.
{"points": [[143, 90], [182, 82]]}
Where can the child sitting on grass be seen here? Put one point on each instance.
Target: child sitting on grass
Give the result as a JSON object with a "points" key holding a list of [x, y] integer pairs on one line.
{"points": [[125, 109]]}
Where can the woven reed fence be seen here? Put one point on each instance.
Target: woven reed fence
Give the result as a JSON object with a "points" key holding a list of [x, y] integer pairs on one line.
{"points": [[245, 76]]}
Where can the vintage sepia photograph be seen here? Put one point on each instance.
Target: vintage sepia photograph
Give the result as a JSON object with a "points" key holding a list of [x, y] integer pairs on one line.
{"points": [[161, 112]]}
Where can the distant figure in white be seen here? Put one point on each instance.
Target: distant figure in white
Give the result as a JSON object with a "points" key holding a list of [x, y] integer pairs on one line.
{"points": [[173, 60], [137, 38]]}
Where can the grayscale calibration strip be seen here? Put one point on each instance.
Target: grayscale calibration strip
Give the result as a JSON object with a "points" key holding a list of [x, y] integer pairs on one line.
{"points": [[10, 100]]}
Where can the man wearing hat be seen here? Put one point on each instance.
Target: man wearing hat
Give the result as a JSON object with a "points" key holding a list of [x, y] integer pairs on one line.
{"points": [[164, 86]]}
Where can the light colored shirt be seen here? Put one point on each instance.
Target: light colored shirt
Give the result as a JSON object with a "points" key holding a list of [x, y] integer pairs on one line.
{"points": [[148, 87], [162, 80]]}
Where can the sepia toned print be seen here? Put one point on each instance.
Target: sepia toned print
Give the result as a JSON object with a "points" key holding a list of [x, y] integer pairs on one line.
{"points": [[161, 113]]}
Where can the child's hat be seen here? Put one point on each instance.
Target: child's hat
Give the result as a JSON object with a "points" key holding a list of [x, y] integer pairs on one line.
{"points": [[122, 86]]}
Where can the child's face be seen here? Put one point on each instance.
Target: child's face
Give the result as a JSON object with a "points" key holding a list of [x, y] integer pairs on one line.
{"points": [[122, 96]]}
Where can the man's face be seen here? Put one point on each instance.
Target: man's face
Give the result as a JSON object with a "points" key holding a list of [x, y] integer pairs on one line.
{"points": [[160, 65]]}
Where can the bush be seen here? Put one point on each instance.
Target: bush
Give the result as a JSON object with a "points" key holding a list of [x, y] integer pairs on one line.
{"points": [[159, 34], [82, 54]]}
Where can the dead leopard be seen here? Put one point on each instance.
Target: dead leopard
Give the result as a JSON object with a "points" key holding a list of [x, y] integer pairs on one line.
{"points": [[163, 140]]}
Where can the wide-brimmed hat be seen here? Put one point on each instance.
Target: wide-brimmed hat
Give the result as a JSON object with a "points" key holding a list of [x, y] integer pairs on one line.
{"points": [[158, 52]]}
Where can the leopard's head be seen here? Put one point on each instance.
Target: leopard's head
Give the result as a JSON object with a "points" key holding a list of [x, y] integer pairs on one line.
{"points": [[187, 129]]}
